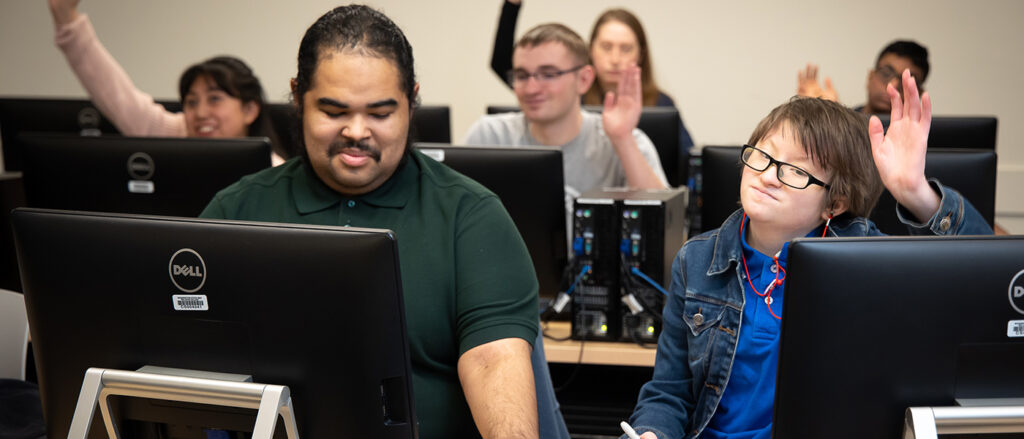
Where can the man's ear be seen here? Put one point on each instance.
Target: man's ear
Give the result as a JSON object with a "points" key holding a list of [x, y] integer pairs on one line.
{"points": [[586, 79], [836, 207]]}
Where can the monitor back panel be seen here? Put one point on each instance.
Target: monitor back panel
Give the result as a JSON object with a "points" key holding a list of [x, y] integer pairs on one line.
{"points": [[874, 326], [160, 176], [315, 308]]}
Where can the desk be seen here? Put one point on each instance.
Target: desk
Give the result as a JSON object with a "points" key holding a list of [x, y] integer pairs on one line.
{"points": [[594, 352]]}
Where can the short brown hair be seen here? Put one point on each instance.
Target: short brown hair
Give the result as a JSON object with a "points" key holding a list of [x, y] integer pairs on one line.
{"points": [[836, 139], [558, 33]]}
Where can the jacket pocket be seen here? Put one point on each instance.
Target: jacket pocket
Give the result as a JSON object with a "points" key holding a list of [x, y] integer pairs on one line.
{"points": [[702, 313]]}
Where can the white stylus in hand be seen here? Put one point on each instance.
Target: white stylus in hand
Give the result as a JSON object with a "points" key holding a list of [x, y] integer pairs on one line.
{"points": [[629, 430]]}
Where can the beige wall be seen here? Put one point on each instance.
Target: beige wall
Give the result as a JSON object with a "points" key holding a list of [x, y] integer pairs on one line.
{"points": [[726, 63]]}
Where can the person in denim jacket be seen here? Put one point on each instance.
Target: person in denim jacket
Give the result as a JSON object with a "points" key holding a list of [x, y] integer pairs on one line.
{"points": [[813, 168]]}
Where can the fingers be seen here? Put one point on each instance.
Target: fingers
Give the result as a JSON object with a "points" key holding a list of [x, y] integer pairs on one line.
{"points": [[876, 133], [911, 97], [630, 83], [926, 112], [897, 104], [609, 100]]}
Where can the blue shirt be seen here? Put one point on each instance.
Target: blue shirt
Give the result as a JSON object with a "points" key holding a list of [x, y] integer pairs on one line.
{"points": [[746, 407]]}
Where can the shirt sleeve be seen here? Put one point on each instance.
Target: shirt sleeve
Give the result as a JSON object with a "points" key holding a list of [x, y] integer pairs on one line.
{"points": [[496, 287], [650, 154], [955, 216], [504, 41], [666, 402], [133, 112]]}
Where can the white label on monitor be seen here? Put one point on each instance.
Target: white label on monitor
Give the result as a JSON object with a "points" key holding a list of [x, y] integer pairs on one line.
{"points": [[436, 154], [1015, 328], [141, 186], [190, 302]]}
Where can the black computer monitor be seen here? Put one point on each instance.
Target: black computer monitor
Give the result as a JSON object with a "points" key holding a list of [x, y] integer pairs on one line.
{"points": [[972, 172], [529, 182], [159, 176], [872, 326], [976, 132], [318, 309], [661, 124], [68, 116], [721, 170]]}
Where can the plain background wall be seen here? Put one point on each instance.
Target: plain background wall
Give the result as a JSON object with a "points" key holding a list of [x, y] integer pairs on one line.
{"points": [[725, 63]]}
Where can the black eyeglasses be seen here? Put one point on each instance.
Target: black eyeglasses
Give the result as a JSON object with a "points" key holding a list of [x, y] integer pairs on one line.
{"points": [[788, 174], [544, 75]]}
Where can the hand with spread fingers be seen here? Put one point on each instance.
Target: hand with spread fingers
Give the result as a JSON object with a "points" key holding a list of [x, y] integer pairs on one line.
{"points": [[900, 152], [807, 84]]}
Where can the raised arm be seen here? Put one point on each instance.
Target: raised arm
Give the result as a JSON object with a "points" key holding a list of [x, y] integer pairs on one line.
{"points": [[111, 90], [504, 40], [900, 152], [620, 116], [807, 84], [497, 379]]}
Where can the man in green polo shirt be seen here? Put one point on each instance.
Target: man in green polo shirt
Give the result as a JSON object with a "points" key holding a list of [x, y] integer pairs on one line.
{"points": [[470, 290]]}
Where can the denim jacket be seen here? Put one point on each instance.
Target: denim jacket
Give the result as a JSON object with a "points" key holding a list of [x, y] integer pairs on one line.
{"points": [[701, 320]]}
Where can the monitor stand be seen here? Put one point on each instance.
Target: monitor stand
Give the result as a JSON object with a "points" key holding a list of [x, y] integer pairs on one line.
{"points": [[229, 390], [974, 415]]}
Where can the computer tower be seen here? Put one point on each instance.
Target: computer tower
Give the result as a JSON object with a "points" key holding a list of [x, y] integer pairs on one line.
{"points": [[629, 240]]}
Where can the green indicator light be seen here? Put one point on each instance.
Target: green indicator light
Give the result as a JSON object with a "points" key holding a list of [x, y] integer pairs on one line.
{"points": [[604, 328], [650, 330], [586, 213], [634, 214]]}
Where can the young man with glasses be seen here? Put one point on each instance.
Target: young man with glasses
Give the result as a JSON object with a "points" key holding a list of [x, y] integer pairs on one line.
{"points": [[812, 168], [550, 72], [898, 56]]}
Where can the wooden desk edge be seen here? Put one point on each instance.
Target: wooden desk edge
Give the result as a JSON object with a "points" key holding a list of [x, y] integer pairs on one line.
{"points": [[594, 352]]}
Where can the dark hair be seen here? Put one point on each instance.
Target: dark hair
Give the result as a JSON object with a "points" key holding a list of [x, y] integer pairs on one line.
{"points": [[359, 28], [836, 139], [917, 54], [595, 96], [237, 80]]}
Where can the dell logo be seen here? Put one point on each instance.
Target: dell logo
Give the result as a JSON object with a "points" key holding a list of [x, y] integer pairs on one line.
{"points": [[1017, 292], [140, 166], [187, 270]]}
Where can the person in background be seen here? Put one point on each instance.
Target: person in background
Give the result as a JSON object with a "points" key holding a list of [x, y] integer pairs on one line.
{"points": [[896, 57], [617, 40], [220, 97]]}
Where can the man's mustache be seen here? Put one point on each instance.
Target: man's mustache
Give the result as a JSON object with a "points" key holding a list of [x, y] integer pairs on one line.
{"points": [[337, 147]]}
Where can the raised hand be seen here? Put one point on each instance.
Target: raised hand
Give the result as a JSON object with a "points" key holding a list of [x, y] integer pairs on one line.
{"points": [[63, 11], [622, 108], [900, 152], [807, 84]]}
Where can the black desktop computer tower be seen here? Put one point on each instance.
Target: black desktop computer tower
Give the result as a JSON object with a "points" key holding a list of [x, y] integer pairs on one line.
{"points": [[629, 240]]}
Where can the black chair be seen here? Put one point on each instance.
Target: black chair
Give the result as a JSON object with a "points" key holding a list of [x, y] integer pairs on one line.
{"points": [[972, 172], [18, 115], [12, 195], [661, 124], [974, 132], [721, 169]]}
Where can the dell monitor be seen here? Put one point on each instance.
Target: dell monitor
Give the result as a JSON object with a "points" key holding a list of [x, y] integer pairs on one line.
{"points": [[872, 326], [67, 116], [661, 124], [150, 175], [318, 309], [529, 182], [975, 132]]}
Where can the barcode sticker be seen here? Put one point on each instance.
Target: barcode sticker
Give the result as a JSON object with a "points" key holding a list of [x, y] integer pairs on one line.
{"points": [[1015, 328], [190, 302], [141, 186]]}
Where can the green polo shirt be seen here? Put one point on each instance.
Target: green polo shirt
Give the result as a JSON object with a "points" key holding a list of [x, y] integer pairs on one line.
{"points": [[466, 275]]}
